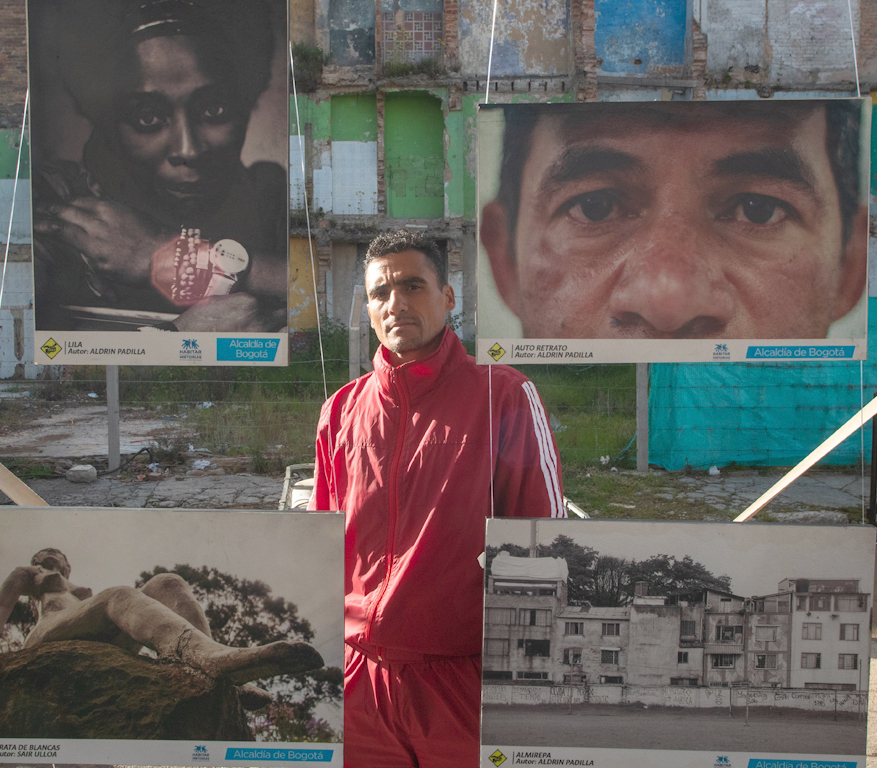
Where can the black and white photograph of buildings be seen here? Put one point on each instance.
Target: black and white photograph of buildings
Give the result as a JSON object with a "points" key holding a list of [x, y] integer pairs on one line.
{"points": [[678, 636]]}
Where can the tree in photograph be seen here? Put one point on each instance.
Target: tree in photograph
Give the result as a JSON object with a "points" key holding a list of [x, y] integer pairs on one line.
{"points": [[20, 622], [244, 613], [666, 575], [580, 561], [611, 581]]}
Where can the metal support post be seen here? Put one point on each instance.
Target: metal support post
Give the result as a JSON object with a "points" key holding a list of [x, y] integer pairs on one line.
{"points": [[113, 418], [354, 345], [642, 418]]}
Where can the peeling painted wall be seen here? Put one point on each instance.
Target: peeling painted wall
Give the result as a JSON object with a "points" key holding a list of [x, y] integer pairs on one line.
{"points": [[532, 36], [354, 154], [302, 301], [790, 42], [9, 141], [641, 36], [16, 323], [301, 22], [351, 32], [810, 41], [414, 155], [305, 143], [430, 6]]}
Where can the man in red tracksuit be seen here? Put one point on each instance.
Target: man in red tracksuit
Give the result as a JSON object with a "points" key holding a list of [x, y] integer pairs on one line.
{"points": [[418, 453]]}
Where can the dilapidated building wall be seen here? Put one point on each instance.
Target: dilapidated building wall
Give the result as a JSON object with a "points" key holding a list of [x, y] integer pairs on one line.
{"points": [[382, 126], [531, 37], [786, 44], [16, 314], [657, 653]]}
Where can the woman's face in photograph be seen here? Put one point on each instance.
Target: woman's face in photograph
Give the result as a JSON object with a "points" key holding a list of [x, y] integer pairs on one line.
{"points": [[180, 124]]}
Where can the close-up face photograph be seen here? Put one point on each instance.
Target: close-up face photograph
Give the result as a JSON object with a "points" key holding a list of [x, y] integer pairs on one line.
{"points": [[600, 229]]}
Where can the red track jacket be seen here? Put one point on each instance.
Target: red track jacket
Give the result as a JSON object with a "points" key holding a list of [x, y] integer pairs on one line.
{"points": [[407, 453]]}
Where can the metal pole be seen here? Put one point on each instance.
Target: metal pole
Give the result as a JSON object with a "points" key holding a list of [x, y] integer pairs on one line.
{"points": [[353, 341], [113, 418], [642, 418], [872, 501]]}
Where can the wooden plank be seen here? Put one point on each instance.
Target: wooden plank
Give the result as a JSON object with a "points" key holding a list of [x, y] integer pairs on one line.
{"points": [[16, 490]]}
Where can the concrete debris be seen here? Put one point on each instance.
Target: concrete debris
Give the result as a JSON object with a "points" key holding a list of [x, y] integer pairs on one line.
{"points": [[82, 473]]}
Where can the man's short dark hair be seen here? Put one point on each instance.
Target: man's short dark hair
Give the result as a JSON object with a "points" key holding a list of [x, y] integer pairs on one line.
{"points": [[842, 116], [405, 240]]}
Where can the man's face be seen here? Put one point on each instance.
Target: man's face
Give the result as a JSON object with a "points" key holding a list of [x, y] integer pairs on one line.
{"points": [[407, 304], [675, 226]]}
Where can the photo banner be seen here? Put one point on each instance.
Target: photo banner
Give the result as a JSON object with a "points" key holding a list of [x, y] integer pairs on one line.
{"points": [[673, 231], [692, 645], [160, 152], [171, 637]]}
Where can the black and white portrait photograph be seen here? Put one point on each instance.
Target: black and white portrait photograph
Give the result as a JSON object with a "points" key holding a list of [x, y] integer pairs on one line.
{"points": [[159, 137], [156, 626], [602, 637]]}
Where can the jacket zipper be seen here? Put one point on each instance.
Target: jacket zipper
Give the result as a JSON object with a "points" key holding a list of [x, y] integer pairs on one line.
{"points": [[393, 510]]}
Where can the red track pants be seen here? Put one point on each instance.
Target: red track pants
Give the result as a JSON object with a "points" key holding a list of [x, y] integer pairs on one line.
{"points": [[411, 714]]}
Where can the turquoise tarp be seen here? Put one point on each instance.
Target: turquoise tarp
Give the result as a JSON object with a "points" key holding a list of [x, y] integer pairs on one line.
{"points": [[761, 414]]}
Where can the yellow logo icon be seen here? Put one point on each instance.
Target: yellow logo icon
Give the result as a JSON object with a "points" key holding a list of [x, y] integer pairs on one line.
{"points": [[496, 352], [497, 758], [51, 348]]}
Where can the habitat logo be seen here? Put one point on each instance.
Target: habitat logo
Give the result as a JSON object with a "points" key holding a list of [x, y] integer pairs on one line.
{"points": [[800, 353], [721, 353], [285, 755], [722, 761], [189, 350], [200, 752], [255, 350]]}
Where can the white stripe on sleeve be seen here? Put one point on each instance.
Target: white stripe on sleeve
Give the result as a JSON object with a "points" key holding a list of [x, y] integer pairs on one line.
{"points": [[547, 455]]}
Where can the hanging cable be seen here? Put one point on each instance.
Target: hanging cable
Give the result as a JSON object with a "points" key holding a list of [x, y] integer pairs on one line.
{"points": [[853, 40], [490, 367], [14, 191], [861, 363], [862, 431], [490, 54], [490, 426], [314, 266]]}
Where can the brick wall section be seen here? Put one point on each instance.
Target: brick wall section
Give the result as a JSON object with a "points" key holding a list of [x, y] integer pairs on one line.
{"points": [[866, 51], [698, 61], [13, 62], [452, 34], [379, 36], [382, 161], [584, 22]]}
